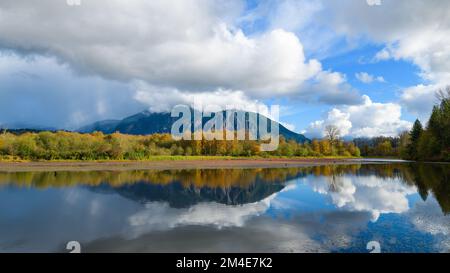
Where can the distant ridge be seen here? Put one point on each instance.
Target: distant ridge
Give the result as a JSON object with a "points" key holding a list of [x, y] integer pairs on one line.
{"points": [[21, 126], [145, 123], [105, 126]]}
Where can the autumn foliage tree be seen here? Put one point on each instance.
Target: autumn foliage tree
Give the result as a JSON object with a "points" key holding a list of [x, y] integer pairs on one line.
{"points": [[98, 146]]}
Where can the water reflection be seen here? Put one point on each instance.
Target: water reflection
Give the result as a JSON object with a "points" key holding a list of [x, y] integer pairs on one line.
{"points": [[311, 209]]}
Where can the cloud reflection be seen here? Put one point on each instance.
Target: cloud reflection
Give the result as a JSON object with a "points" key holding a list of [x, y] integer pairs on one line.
{"points": [[427, 217], [365, 193], [159, 215]]}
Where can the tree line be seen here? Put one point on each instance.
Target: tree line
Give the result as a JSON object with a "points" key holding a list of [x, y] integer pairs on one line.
{"points": [[429, 143], [432, 142], [382, 146], [63, 145]]}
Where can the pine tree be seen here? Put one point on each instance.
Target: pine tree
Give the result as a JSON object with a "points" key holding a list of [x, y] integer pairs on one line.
{"points": [[415, 134]]}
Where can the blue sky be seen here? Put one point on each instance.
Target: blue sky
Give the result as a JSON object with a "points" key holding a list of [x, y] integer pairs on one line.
{"points": [[398, 75], [366, 66]]}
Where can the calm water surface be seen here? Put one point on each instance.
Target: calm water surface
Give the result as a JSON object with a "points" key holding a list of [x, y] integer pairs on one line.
{"points": [[405, 207]]}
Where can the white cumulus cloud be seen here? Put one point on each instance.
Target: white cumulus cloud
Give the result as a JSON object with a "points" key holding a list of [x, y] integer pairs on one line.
{"points": [[185, 48], [368, 119], [414, 31], [365, 77], [411, 30], [188, 45], [419, 99]]}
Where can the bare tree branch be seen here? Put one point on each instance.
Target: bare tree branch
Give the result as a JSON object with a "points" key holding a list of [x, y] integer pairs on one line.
{"points": [[443, 94], [332, 133]]}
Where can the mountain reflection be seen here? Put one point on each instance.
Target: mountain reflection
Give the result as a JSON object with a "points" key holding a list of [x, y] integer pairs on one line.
{"points": [[183, 188], [308, 209]]}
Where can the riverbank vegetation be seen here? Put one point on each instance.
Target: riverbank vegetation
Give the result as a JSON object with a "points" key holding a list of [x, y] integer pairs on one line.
{"points": [[432, 142], [64, 145], [429, 143]]}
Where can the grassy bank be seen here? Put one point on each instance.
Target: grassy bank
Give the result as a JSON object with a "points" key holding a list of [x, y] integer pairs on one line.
{"points": [[12, 159], [172, 163]]}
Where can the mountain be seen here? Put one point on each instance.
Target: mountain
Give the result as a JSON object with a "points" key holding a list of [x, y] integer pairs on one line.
{"points": [[26, 126], [105, 126], [145, 123]]}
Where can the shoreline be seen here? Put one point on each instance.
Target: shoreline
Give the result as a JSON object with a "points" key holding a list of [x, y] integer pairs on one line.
{"points": [[213, 163]]}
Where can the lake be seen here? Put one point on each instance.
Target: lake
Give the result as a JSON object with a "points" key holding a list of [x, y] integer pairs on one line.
{"points": [[403, 207]]}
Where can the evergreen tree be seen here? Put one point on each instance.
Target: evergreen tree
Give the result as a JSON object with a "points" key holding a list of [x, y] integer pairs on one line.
{"points": [[415, 134]]}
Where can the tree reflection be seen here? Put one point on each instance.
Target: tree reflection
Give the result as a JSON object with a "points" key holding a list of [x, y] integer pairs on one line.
{"points": [[434, 178], [233, 186]]}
